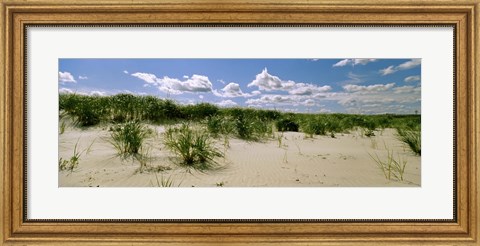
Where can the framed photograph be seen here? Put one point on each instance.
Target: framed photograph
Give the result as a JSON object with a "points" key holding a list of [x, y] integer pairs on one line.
{"points": [[283, 122]]}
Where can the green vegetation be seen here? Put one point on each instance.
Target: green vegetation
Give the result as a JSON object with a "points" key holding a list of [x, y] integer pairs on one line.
{"points": [[391, 168], [194, 146], [72, 163], [411, 137], [244, 123], [166, 182], [128, 138]]}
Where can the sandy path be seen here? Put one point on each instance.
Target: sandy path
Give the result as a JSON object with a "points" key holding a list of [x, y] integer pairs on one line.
{"points": [[343, 161]]}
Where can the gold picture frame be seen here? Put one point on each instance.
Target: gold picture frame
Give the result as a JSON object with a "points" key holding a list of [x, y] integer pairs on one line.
{"points": [[18, 14]]}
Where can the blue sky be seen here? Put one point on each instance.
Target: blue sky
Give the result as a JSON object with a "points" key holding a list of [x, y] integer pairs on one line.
{"points": [[365, 86]]}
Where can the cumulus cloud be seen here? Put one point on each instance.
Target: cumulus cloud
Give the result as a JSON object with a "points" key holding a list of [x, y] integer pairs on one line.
{"points": [[97, 93], [227, 103], [66, 77], [147, 77], [368, 88], [268, 82], [195, 83], [125, 71], [234, 90], [308, 89], [291, 100], [404, 66], [82, 77], [353, 62], [65, 91], [404, 89], [412, 78]]}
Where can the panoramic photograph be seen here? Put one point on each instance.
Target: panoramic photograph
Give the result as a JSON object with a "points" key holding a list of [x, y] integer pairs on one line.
{"points": [[346, 122]]}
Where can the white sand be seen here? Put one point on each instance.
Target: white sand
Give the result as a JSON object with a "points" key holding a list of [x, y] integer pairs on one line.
{"points": [[343, 161]]}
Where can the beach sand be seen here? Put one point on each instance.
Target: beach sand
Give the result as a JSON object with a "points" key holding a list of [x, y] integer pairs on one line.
{"points": [[321, 161]]}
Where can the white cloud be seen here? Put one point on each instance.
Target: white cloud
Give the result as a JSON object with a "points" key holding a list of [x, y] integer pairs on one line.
{"points": [[65, 91], [368, 88], [308, 89], [412, 78], [147, 77], [404, 66], [268, 82], [66, 77], [196, 83], [234, 90], [125, 71], [200, 96], [97, 93], [272, 99], [227, 103], [82, 77], [353, 62], [309, 102], [404, 89], [388, 70]]}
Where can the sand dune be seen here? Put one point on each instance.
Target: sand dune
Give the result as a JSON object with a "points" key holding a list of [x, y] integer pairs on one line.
{"points": [[343, 161]]}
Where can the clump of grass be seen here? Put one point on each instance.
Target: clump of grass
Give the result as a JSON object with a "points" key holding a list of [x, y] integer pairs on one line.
{"points": [[280, 139], [411, 137], [392, 168], [368, 132], [63, 125], [128, 138], [194, 146], [72, 163], [166, 182]]}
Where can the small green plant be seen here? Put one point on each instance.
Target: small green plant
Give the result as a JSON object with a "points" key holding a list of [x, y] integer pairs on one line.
{"points": [[128, 138], [166, 182], [411, 137], [220, 184], [72, 163], [63, 125], [194, 146], [369, 132], [391, 168], [280, 139]]}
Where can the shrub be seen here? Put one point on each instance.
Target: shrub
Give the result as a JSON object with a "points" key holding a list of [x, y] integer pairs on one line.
{"points": [[129, 137], [286, 125], [194, 146]]}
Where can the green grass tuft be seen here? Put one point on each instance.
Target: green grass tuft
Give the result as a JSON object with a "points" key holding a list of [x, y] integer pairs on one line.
{"points": [[128, 138], [194, 146]]}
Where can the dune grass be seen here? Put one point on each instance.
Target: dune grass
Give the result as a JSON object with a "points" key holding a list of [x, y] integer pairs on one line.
{"points": [[391, 167], [72, 163], [128, 138], [412, 138], [244, 123], [195, 147]]}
